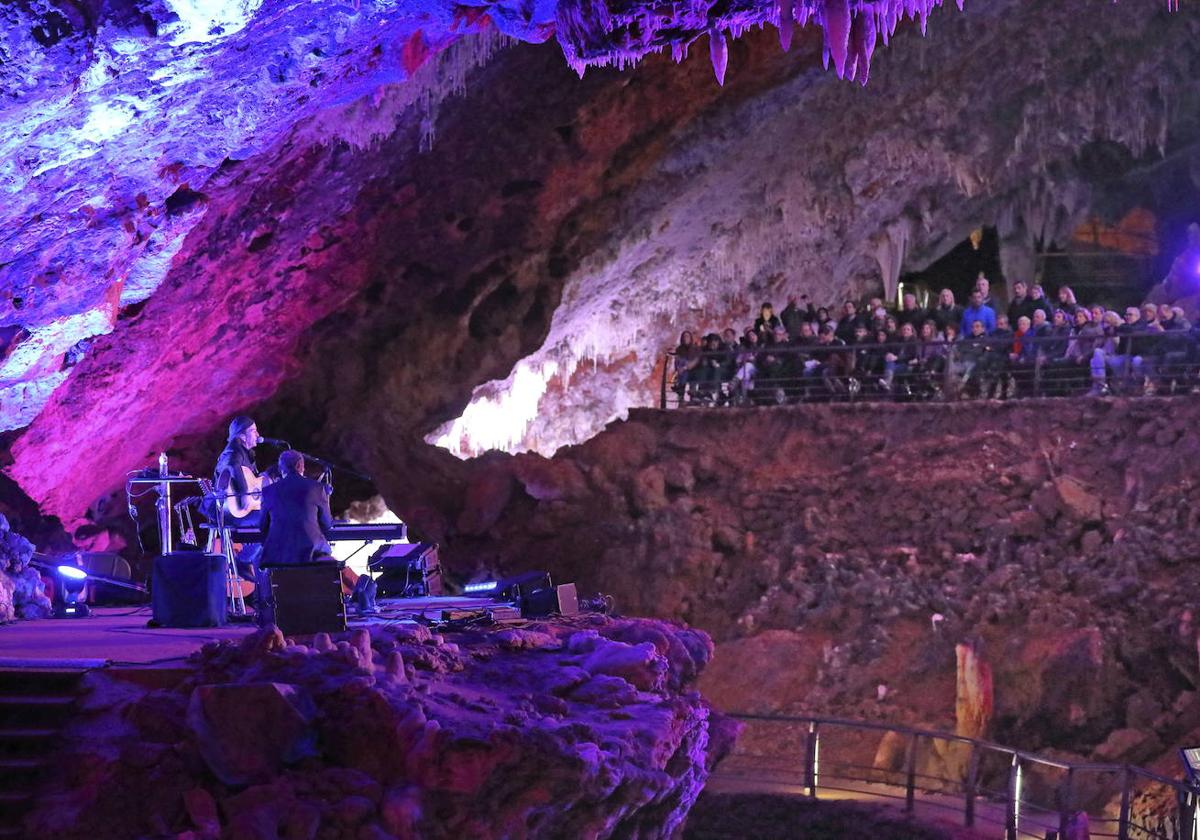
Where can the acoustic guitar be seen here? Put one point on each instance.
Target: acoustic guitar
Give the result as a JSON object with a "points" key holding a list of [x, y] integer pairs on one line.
{"points": [[254, 486]]}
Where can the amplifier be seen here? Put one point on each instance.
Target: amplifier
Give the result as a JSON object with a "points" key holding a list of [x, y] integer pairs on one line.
{"points": [[187, 589], [550, 600], [305, 598], [407, 570]]}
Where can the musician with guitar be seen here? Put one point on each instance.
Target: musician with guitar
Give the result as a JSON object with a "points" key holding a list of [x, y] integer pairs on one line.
{"points": [[238, 486]]}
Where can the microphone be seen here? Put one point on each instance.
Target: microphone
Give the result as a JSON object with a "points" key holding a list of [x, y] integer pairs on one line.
{"points": [[282, 444]]}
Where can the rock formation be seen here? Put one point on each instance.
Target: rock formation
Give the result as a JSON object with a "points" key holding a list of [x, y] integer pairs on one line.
{"points": [[826, 537], [555, 260], [22, 593], [563, 729]]}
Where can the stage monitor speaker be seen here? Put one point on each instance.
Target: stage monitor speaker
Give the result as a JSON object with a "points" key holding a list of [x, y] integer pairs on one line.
{"points": [[550, 600], [305, 598], [188, 590], [408, 570]]}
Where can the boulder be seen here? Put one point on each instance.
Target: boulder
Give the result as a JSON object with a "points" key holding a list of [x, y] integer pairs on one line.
{"points": [[247, 732], [1077, 501]]}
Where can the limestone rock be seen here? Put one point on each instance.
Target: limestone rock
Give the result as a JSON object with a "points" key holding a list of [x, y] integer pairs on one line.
{"points": [[247, 732]]}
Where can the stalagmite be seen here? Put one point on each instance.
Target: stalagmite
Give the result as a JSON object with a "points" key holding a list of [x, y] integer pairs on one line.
{"points": [[973, 692]]}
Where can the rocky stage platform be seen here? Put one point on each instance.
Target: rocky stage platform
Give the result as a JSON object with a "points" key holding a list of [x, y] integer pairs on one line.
{"points": [[587, 726], [121, 636]]}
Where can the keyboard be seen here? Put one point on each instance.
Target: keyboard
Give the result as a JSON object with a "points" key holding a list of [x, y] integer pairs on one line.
{"points": [[342, 532]]}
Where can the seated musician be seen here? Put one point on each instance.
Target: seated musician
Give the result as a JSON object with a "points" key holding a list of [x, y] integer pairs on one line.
{"points": [[295, 516]]}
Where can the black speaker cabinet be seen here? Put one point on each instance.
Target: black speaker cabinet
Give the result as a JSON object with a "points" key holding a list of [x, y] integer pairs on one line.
{"points": [[407, 570], [305, 598], [188, 590]]}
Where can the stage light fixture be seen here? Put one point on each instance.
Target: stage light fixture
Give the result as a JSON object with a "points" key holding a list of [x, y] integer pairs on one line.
{"points": [[480, 588], [71, 580]]}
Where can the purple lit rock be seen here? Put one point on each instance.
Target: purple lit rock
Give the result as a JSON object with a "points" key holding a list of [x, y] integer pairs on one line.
{"points": [[557, 729]]}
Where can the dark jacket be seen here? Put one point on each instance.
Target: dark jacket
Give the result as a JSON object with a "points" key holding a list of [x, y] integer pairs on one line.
{"points": [[296, 519]]}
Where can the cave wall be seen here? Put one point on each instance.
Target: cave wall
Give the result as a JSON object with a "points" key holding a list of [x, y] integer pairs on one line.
{"points": [[355, 291], [817, 544]]}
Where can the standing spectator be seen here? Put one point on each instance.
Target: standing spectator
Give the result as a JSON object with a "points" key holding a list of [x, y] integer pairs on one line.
{"points": [[766, 322], [793, 316], [1020, 303], [984, 287], [1066, 301], [978, 311], [823, 318], [687, 360], [910, 313], [846, 324], [947, 312], [1037, 297]]}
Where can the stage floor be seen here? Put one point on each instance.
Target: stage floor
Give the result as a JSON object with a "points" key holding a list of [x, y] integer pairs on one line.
{"points": [[119, 635]]}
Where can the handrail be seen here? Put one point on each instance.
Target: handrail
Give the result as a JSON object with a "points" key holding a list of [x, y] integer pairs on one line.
{"points": [[1129, 824]]}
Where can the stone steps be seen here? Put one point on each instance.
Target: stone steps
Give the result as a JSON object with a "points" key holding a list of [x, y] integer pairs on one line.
{"points": [[35, 707]]}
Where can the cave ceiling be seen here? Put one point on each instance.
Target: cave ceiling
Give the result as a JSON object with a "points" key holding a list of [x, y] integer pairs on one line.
{"points": [[360, 219]]}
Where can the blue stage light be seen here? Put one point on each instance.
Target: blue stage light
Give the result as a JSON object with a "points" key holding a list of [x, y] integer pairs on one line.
{"points": [[71, 580], [475, 588]]}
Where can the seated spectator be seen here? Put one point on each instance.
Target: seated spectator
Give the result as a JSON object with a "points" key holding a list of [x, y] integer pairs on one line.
{"points": [[745, 367], [767, 321], [1085, 351], [993, 366], [972, 352], [1056, 367], [1097, 312], [946, 312], [708, 375], [898, 362], [774, 378], [834, 364], [892, 326], [930, 365], [1022, 362], [687, 359], [729, 351], [977, 311], [1127, 363], [823, 318]]}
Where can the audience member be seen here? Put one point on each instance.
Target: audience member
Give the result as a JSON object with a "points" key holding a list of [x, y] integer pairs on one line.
{"points": [[978, 311], [946, 312]]}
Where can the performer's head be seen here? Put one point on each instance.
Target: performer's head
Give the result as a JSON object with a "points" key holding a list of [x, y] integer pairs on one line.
{"points": [[291, 462], [242, 428]]}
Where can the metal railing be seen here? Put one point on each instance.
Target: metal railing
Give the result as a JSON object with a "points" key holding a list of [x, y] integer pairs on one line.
{"points": [[1001, 367], [1020, 794]]}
